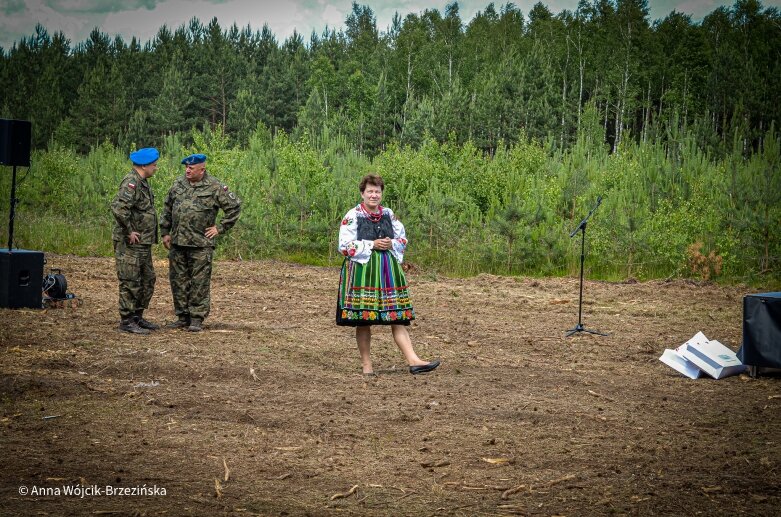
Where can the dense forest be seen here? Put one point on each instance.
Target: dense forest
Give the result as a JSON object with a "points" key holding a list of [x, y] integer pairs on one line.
{"points": [[497, 133], [482, 81]]}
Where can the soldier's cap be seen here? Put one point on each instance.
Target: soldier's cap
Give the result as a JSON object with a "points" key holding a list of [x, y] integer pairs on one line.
{"points": [[144, 156], [193, 159]]}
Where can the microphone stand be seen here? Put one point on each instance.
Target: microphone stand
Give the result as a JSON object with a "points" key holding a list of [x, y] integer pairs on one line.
{"points": [[582, 228]]}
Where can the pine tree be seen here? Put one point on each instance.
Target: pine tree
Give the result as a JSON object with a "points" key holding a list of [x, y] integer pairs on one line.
{"points": [[168, 109], [100, 111]]}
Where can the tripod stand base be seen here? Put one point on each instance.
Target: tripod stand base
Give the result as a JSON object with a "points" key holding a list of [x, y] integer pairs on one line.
{"points": [[580, 328]]}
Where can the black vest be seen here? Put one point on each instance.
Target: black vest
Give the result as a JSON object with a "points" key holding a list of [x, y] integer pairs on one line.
{"points": [[369, 230]]}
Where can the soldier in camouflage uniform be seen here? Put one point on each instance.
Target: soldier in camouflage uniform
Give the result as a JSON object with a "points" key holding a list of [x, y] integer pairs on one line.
{"points": [[188, 227], [134, 233]]}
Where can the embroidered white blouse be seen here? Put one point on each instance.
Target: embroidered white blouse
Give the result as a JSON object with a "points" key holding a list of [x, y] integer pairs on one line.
{"points": [[360, 250]]}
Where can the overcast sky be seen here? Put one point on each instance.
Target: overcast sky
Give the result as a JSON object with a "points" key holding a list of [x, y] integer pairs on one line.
{"points": [[142, 18]]}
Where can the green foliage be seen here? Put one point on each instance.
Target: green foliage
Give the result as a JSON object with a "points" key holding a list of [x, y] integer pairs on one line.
{"points": [[465, 212], [430, 74], [495, 135]]}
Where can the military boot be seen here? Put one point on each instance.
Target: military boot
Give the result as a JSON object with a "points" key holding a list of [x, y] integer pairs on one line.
{"points": [[130, 325], [196, 325], [181, 323], [144, 324]]}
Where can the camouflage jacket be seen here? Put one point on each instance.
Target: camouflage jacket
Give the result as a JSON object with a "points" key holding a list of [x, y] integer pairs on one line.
{"points": [[134, 210], [190, 209]]}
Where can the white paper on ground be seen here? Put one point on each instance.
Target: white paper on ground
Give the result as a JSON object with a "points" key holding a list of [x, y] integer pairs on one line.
{"points": [[698, 339], [675, 360], [712, 357]]}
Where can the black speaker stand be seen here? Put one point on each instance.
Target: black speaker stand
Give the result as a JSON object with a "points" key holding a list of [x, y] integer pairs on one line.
{"points": [[12, 212], [582, 229]]}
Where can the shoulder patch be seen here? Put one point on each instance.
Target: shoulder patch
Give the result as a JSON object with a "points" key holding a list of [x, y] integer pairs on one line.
{"points": [[131, 185], [127, 195]]}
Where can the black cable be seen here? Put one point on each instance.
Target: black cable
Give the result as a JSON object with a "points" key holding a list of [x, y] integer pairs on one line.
{"points": [[25, 177], [15, 201], [50, 281]]}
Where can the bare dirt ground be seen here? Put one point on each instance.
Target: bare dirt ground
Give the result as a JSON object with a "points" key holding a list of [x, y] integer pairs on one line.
{"points": [[518, 420]]}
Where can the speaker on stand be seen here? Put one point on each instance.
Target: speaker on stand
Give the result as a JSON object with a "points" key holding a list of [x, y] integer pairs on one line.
{"points": [[21, 271], [15, 137]]}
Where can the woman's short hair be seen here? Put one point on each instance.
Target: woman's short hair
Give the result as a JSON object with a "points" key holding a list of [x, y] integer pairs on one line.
{"points": [[372, 179]]}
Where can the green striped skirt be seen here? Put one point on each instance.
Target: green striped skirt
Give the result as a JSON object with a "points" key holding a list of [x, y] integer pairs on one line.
{"points": [[374, 293]]}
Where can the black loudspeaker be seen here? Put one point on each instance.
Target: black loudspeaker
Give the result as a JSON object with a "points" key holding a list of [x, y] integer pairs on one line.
{"points": [[15, 137], [21, 279], [761, 330]]}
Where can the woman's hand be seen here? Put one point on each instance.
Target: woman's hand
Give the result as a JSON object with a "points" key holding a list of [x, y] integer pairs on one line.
{"points": [[383, 244]]}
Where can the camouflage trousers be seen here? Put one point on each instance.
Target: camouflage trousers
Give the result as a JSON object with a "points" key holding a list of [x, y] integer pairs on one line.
{"points": [[136, 276], [190, 274]]}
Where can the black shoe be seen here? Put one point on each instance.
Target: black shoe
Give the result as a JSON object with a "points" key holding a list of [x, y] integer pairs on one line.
{"points": [[130, 325], [179, 324], [145, 324], [424, 368], [196, 325]]}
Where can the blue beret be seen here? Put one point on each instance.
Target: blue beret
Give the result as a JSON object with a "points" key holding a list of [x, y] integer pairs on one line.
{"points": [[194, 158], [144, 156]]}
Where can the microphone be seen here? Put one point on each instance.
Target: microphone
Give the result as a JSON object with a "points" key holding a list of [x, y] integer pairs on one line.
{"points": [[583, 222]]}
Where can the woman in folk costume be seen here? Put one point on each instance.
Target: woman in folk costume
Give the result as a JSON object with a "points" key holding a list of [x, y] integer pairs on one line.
{"points": [[372, 285]]}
